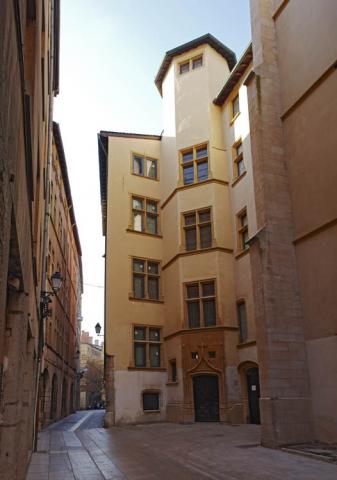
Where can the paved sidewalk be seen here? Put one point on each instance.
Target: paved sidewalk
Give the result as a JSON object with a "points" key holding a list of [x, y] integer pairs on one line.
{"points": [[167, 452]]}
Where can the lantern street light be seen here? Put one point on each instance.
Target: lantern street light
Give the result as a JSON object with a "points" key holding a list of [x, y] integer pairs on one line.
{"points": [[56, 284], [98, 329], [56, 281]]}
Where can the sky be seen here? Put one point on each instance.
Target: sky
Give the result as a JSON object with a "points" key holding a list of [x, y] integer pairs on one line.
{"points": [[110, 53]]}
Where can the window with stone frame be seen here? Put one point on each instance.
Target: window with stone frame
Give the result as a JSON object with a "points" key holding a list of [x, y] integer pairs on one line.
{"points": [[242, 319], [147, 346], [200, 300], [184, 67], [145, 166], [238, 161], [197, 227], [145, 215], [194, 164], [197, 62], [173, 371], [191, 64], [145, 279], [242, 230], [151, 401], [235, 106]]}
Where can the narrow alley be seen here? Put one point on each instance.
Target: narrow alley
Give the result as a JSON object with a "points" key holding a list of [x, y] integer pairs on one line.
{"points": [[78, 448]]}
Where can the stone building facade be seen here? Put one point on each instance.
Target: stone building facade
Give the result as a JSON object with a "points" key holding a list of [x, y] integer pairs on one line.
{"points": [[29, 49], [293, 110], [221, 235], [29, 150], [59, 382], [92, 353]]}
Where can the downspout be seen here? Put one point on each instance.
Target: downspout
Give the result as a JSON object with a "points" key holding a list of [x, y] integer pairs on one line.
{"points": [[45, 236]]}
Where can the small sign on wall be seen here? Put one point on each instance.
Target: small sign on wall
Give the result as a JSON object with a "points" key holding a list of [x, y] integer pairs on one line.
{"points": [[253, 388]]}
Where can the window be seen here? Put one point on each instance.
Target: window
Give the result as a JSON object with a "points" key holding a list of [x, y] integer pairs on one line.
{"points": [[184, 67], [200, 304], [242, 230], [145, 215], [242, 317], [238, 163], [197, 229], [194, 355], [197, 62], [212, 354], [173, 370], [145, 279], [194, 164], [150, 401], [191, 64], [235, 106], [147, 345], [144, 166]]}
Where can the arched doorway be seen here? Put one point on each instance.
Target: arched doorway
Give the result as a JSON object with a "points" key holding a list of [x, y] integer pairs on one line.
{"points": [[206, 398], [250, 386], [44, 397], [253, 390], [71, 399], [53, 403], [64, 398]]}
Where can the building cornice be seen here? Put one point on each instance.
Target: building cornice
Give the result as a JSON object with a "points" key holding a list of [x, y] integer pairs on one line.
{"points": [[235, 76], [196, 252], [189, 331], [64, 170], [193, 185]]}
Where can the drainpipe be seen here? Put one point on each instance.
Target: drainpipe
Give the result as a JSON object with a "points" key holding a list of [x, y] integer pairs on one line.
{"points": [[45, 236]]}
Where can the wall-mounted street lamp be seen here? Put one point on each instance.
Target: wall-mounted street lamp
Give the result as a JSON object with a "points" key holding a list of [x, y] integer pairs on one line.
{"points": [[56, 284], [98, 329]]}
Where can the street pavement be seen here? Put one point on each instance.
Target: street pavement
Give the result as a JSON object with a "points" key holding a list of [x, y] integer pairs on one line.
{"points": [[78, 448]]}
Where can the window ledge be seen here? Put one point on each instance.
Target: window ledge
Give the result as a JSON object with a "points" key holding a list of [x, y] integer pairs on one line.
{"points": [[241, 253], [234, 118], [147, 300], [171, 383], [247, 344], [237, 179], [151, 411], [156, 235], [143, 176], [148, 369]]}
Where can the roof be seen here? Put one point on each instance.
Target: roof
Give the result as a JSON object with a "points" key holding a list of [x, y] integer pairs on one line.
{"points": [[64, 171], [235, 75], [102, 138], [56, 47], [224, 51]]}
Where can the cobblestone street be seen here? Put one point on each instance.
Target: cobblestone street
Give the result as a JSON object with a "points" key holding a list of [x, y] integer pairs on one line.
{"points": [[78, 448]]}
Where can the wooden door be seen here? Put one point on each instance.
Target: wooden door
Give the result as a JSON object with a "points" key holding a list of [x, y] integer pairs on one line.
{"points": [[206, 398], [253, 387]]}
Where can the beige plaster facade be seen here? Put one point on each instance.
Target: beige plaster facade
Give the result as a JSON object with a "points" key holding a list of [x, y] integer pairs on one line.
{"points": [[208, 354]]}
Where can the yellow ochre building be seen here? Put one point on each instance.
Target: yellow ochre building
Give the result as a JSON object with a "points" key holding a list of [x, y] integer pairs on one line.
{"points": [[178, 210]]}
